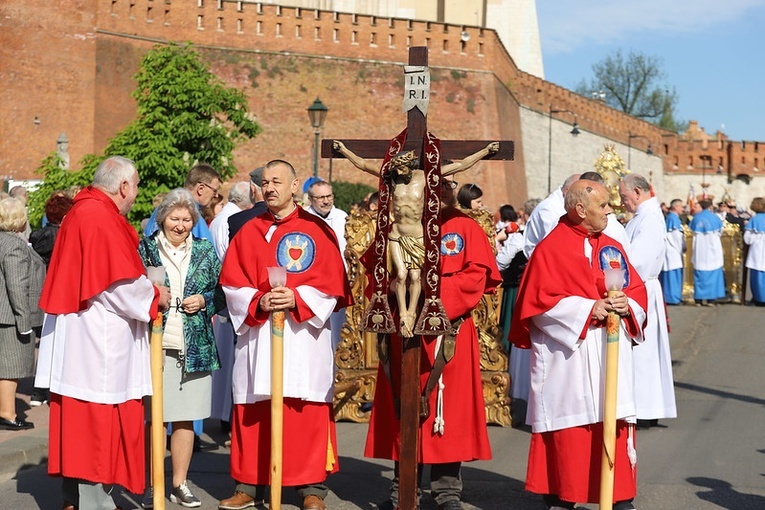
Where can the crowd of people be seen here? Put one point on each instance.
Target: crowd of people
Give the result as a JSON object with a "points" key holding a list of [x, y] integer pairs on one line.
{"points": [[217, 304]]}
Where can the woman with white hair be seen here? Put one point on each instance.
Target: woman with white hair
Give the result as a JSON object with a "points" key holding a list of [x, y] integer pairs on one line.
{"points": [[191, 271]]}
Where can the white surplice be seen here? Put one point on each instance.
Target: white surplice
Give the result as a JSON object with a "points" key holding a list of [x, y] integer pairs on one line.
{"points": [[654, 386], [100, 354], [308, 350], [567, 372]]}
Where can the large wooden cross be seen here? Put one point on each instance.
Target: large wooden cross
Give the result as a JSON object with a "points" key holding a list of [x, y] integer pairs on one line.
{"points": [[410, 369]]}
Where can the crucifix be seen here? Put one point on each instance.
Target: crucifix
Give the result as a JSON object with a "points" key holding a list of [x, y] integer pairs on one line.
{"points": [[408, 210]]}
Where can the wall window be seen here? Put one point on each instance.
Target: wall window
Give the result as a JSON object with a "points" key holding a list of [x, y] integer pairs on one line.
{"points": [[336, 35], [391, 40], [259, 28], [445, 46], [200, 3], [373, 21], [317, 33], [239, 26], [278, 30], [219, 24], [373, 39], [200, 22], [298, 32], [480, 48], [149, 14]]}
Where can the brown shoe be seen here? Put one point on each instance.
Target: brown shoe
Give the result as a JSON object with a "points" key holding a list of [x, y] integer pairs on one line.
{"points": [[238, 501], [313, 502]]}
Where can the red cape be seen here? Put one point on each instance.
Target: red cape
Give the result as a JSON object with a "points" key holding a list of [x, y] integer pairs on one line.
{"points": [[319, 264], [95, 247], [558, 268]]}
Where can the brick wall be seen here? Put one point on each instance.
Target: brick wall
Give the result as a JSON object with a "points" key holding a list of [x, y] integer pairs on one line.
{"points": [[70, 65]]}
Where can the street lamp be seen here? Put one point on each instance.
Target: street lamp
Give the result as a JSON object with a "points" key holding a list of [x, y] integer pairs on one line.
{"points": [[648, 151], [574, 132], [317, 112]]}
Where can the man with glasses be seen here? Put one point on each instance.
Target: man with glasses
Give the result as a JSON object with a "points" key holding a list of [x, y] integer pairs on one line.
{"points": [[203, 182], [323, 205]]}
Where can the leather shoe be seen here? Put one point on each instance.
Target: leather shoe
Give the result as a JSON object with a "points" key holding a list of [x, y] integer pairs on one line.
{"points": [[16, 424], [239, 501], [313, 502]]}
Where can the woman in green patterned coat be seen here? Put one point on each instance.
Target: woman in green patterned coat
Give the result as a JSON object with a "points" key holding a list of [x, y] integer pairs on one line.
{"points": [[191, 272]]}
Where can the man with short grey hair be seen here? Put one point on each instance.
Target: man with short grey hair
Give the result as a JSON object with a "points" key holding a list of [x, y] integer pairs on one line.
{"points": [[94, 351], [238, 201], [238, 220], [655, 392]]}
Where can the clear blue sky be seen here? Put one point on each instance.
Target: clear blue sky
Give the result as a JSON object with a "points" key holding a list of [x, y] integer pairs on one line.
{"points": [[712, 52]]}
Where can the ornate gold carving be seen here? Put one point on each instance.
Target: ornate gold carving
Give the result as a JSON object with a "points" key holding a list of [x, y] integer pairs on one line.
{"points": [[611, 166], [356, 355]]}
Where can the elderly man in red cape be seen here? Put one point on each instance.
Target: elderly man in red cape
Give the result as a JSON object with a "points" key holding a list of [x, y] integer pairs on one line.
{"points": [[560, 316], [455, 429], [286, 236], [94, 349]]}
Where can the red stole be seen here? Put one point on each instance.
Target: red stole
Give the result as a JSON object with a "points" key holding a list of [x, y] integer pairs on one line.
{"points": [[558, 268], [302, 242], [95, 247]]}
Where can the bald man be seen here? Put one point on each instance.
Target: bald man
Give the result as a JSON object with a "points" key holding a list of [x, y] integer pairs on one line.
{"points": [[560, 316]]}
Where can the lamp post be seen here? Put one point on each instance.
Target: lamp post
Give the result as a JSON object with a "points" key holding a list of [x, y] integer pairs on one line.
{"points": [[648, 151], [574, 132], [317, 112]]}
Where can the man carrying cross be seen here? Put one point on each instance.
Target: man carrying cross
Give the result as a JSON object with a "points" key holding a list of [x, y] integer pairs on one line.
{"points": [[454, 430]]}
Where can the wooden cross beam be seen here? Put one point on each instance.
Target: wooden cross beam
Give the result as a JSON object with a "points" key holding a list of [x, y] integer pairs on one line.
{"points": [[410, 369]]}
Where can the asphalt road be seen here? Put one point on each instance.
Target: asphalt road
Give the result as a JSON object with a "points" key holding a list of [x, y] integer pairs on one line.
{"points": [[712, 456]]}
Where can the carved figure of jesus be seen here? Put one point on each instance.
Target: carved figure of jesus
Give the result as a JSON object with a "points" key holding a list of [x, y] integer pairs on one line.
{"points": [[406, 250]]}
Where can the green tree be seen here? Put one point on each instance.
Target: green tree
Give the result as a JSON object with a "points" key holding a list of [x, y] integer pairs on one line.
{"points": [[349, 193], [185, 115], [633, 84]]}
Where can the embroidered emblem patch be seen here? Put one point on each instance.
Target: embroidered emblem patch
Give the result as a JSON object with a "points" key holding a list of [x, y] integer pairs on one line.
{"points": [[296, 252], [452, 243], [610, 257]]}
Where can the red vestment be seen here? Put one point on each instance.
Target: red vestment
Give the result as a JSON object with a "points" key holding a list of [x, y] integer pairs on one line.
{"points": [[468, 270], [566, 461], [307, 247], [95, 248]]}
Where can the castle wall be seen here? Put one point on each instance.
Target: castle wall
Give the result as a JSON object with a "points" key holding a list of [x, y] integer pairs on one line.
{"points": [[47, 68], [70, 65]]}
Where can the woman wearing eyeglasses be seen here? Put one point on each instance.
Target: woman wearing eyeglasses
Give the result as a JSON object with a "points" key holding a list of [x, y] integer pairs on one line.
{"points": [[191, 272]]}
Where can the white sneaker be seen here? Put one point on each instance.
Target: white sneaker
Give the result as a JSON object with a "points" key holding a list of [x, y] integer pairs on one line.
{"points": [[181, 495]]}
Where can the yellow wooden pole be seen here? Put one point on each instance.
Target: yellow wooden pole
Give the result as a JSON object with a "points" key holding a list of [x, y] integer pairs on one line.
{"points": [[277, 406], [277, 277], [157, 423], [614, 282]]}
